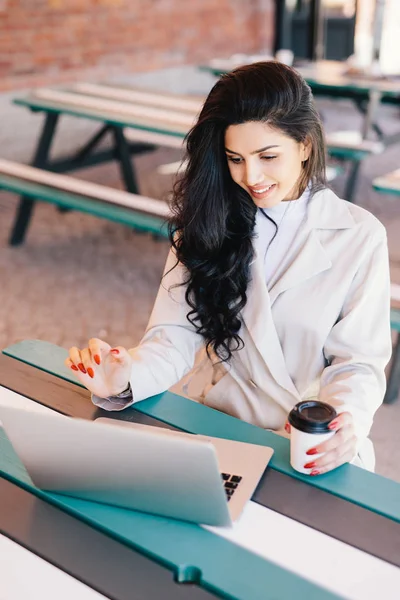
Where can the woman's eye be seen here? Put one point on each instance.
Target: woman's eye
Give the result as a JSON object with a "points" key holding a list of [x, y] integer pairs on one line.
{"points": [[234, 160], [268, 157]]}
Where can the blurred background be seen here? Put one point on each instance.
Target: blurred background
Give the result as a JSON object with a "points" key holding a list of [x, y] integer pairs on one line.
{"points": [[74, 275]]}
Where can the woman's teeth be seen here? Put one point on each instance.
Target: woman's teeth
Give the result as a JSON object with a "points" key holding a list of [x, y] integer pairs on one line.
{"points": [[263, 191]]}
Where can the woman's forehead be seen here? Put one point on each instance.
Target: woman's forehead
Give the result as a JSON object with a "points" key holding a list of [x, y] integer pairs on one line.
{"points": [[252, 136]]}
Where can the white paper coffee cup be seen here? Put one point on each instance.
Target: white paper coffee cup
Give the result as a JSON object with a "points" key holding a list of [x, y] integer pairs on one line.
{"points": [[309, 422]]}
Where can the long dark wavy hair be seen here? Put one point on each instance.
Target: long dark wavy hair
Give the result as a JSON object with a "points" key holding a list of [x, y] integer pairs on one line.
{"points": [[213, 220]]}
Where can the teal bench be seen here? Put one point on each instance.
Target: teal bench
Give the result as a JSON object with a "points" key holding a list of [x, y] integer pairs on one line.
{"points": [[138, 212]]}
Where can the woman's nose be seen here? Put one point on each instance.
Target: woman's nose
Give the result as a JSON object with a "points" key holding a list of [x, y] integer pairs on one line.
{"points": [[253, 174]]}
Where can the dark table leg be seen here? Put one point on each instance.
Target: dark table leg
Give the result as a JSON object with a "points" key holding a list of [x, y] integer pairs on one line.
{"points": [[123, 155], [352, 180], [26, 205], [393, 384]]}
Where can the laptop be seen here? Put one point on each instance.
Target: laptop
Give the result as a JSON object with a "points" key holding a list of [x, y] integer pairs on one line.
{"points": [[195, 478]]}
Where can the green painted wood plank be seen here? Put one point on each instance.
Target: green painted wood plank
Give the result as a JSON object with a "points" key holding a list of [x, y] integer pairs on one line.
{"points": [[109, 118], [186, 549], [111, 212], [374, 492]]}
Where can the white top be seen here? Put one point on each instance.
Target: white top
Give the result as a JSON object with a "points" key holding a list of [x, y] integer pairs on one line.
{"points": [[289, 217]]}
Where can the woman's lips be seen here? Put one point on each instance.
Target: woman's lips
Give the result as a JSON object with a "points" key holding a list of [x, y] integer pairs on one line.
{"points": [[262, 192]]}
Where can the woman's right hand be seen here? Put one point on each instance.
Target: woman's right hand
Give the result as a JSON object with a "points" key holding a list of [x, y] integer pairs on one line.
{"points": [[103, 370]]}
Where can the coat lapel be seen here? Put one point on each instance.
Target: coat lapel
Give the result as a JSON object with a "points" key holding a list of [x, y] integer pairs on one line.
{"points": [[257, 317], [307, 258]]}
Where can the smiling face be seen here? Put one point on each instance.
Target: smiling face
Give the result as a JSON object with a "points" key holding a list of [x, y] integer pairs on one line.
{"points": [[265, 162]]}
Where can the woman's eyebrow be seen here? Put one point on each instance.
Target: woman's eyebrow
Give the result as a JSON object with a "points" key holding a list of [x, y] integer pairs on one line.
{"points": [[255, 151]]}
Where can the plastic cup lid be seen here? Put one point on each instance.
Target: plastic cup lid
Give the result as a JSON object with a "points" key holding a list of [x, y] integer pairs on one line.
{"points": [[312, 416]]}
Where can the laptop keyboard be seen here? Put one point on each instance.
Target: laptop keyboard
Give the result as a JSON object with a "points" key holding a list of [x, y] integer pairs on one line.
{"points": [[231, 483]]}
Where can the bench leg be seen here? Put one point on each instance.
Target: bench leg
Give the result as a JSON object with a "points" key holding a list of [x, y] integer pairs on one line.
{"points": [[352, 180], [26, 205], [393, 383], [123, 155]]}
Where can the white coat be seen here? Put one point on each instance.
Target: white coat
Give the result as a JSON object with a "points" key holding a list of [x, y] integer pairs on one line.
{"points": [[322, 331]]}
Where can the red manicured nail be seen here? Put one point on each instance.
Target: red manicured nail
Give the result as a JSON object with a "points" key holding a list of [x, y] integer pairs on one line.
{"points": [[315, 472], [81, 368], [312, 451], [114, 351], [90, 372], [74, 368], [97, 359], [333, 425], [309, 465]]}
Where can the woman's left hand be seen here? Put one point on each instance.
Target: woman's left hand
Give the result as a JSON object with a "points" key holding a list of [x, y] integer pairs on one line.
{"points": [[339, 449]]}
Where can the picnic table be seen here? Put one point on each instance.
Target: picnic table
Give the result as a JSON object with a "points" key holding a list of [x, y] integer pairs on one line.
{"points": [[138, 121], [349, 515]]}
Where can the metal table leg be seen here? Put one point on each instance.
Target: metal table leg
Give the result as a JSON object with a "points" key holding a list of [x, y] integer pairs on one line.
{"points": [[372, 107], [123, 156], [26, 205], [352, 180]]}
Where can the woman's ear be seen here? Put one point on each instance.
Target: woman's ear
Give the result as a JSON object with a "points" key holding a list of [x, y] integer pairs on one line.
{"points": [[305, 150]]}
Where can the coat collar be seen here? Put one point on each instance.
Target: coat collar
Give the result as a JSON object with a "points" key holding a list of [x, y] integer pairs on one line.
{"points": [[328, 211], [307, 258]]}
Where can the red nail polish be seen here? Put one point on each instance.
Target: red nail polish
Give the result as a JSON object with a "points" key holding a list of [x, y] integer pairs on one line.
{"points": [[309, 465], [90, 372], [74, 368], [114, 351], [81, 368], [97, 359], [333, 425], [312, 451], [315, 472]]}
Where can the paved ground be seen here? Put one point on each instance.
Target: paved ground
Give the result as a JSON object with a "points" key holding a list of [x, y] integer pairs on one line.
{"points": [[77, 276]]}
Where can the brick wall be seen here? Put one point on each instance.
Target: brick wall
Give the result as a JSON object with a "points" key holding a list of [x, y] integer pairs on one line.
{"points": [[51, 41]]}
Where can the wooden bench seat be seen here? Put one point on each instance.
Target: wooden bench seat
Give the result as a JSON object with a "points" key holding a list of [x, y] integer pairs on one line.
{"points": [[138, 212]]}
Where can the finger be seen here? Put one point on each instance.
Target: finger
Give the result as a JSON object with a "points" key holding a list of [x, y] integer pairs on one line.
{"points": [[120, 355], [87, 362], [68, 363], [75, 356], [343, 419], [98, 349], [341, 436], [344, 458], [335, 455]]}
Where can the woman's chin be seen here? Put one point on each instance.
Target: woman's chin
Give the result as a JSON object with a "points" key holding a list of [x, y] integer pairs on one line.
{"points": [[268, 202]]}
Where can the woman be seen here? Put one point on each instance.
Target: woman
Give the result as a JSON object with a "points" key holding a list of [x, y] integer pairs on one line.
{"points": [[275, 288]]}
